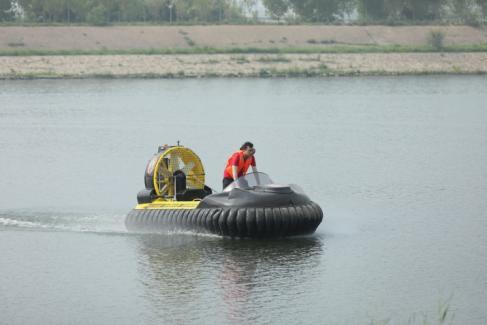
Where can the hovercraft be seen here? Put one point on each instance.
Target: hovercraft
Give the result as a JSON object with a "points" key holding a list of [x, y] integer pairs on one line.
{"points": [[176, 198]]}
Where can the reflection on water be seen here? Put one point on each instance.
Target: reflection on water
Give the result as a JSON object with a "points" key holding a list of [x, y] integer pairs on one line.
{"points": [[242, 273], [273, 267]]}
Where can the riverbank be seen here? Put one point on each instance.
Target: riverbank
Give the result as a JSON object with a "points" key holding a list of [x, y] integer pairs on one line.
{"points": [[238, 51], [240, 65], [113, 38]]}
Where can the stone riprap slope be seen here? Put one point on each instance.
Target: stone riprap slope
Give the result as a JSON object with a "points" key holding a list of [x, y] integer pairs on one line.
{"points": [[246, 65]]}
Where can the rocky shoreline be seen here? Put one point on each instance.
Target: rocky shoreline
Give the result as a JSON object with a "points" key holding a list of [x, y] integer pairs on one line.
{"points": [[240, 65]]}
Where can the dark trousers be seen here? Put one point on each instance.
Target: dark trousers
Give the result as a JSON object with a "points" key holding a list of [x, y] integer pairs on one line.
{"points": [[242, 182], [227, 181]]}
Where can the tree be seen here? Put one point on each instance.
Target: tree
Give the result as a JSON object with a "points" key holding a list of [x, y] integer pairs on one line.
{"points": [[372, 9], [202, 10], [155, 9], [276, 8], [32, 9], [465, 10], [54, 9], [483, 7], [318, 10], [248, 6], [5, 10], [97, 15], [400, 9], [421, 10], [77, 10]]}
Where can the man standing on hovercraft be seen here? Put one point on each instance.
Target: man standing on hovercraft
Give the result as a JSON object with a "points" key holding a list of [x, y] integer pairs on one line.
{"points": [[238, 164]]}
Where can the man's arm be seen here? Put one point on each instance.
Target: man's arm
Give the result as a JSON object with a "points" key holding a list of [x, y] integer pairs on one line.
{"points": [[234, 173]]}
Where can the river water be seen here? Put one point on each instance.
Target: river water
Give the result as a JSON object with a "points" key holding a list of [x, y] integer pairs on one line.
{"points": [[398, 164]]}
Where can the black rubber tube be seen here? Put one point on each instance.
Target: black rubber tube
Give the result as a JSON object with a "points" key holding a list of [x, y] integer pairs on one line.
{"points": [[250, 222], [214, 221], [284, 221], [260, 222], [241, 221], [233, 222], [222, 222], [272, 229]]}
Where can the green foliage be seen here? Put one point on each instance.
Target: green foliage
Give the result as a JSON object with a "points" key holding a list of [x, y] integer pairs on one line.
{"points": [[372, 9], [411, 10], [391, 12], [483, 7], [97, 15], [5, 10], [383, 11], [319, 10], [109, 11], [422, 10], [277, 8], [273, 59], [469, 11], [17, 50]]}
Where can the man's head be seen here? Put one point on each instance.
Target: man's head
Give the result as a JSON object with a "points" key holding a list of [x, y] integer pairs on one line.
{"points": [[248, 149]]}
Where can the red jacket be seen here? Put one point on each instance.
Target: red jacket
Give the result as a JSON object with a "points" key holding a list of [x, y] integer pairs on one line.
{"points": [[237, 159]]}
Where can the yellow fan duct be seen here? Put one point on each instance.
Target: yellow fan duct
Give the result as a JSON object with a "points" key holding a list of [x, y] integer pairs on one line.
{"points": [[173, 161]]}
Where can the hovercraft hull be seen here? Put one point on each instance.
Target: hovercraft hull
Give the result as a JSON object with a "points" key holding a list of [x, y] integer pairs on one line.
{"points": [[255, 222]]}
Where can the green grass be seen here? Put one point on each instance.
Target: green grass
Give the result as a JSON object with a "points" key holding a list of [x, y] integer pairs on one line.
{"points": [[254, 50], [320, 71], [211, 62], [325, 41], [273, 59], [240, 59]]}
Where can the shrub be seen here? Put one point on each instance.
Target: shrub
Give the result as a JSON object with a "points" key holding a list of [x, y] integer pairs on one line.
{"points": [[436, 38], [97, 15], [473, 20]]}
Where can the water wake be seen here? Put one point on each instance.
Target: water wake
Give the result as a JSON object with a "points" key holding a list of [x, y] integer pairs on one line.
{"points": [[63, 221], [89, 222]]}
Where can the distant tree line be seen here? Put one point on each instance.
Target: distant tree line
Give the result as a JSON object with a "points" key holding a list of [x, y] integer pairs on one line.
{"points": [[384, 11], [225, 11], [113, 11]]}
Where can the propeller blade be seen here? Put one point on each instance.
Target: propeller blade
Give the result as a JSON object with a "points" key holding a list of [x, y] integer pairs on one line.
{"points": [[186, 169], [163, 190], [163, 170], [174, 163]]}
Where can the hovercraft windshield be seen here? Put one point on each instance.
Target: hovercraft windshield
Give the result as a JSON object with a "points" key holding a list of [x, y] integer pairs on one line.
{"points": [[249, 181], [259, 181]]}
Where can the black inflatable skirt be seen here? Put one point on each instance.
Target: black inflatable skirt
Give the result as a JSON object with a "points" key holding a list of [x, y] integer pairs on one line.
{"points": [[230, 221]]}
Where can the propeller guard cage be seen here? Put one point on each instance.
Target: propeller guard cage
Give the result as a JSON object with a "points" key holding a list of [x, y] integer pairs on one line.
{"points": [[166, 168]]}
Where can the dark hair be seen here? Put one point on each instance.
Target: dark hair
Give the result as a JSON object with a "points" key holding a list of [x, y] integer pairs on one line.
{"points": [[247, 145]]}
